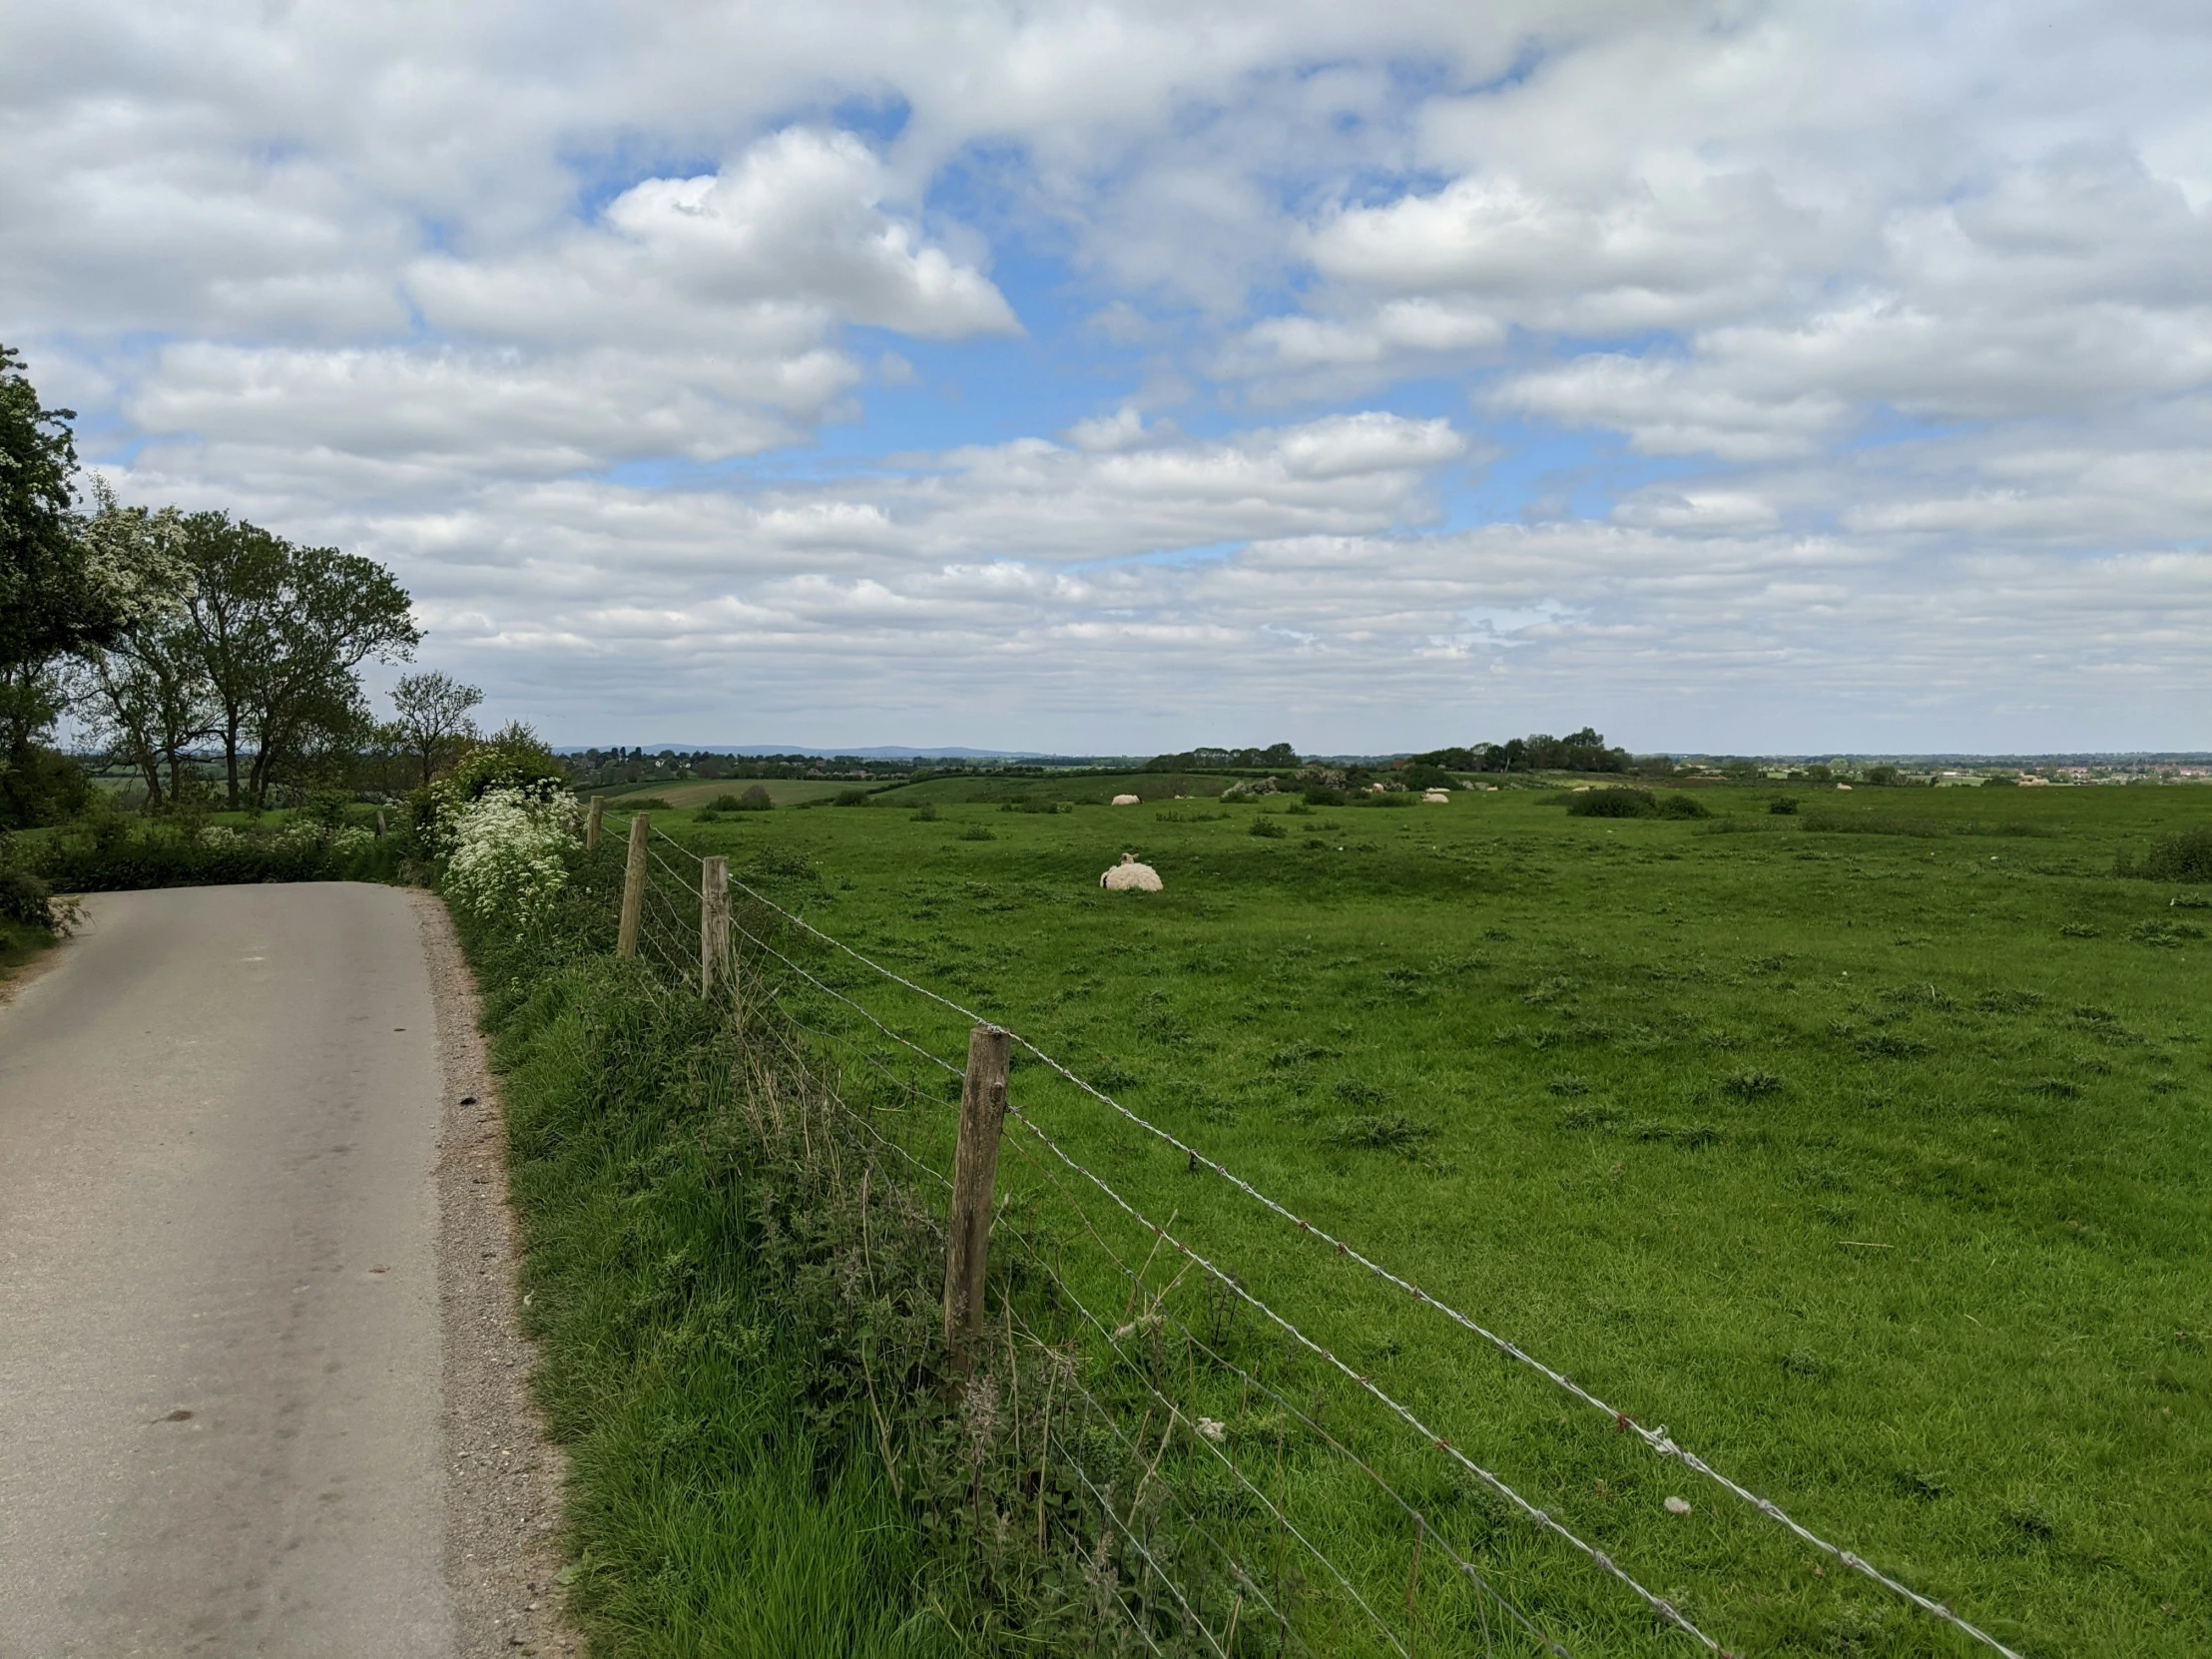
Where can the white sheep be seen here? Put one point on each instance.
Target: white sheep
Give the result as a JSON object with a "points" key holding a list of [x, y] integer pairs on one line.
{"points": [[1435, 797], [1128, 801], [1130, 876]]}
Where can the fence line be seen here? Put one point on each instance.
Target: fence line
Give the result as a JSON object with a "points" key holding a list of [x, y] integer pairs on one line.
{"points": [[1160, 1306], [1111, 1339], [1658, 1440]]}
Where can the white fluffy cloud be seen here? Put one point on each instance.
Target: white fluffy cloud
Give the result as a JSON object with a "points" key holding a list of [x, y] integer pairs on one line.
{"points": [[1834, 377]]}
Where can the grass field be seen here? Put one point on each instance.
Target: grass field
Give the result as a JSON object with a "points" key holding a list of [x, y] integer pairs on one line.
{"points": [[1873, 1164]]}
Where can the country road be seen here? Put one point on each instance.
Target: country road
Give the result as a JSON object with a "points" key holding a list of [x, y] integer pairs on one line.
{"points": [[220, 1328]]}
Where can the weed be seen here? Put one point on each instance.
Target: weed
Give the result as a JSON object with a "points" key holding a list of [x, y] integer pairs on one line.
{"points": [[977, 833], [1568, 1085], [1268, 829], [1752, 1084]]}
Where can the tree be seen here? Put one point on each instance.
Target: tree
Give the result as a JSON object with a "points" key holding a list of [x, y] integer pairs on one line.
{"points": [[282, 629], [432, 717], [49, 602], [148, 693]]}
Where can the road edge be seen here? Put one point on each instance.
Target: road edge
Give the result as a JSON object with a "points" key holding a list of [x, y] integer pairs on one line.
{"points": [[504, 1479]]}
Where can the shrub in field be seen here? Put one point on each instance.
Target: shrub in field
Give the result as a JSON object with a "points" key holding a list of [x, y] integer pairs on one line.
{"points": [[977, 833], [926, 813], [1268, 829], [2186, 856], [1683, 806], [1783, 805], [505, 852], [1323, 796], [851, 797], [1614, 803]]}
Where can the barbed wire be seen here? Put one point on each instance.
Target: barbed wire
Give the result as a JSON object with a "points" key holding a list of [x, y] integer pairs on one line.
{"points": [[1658, 1439]]}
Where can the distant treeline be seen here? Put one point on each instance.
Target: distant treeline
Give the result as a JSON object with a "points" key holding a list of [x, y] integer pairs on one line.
{"points": [[1582, 750]]}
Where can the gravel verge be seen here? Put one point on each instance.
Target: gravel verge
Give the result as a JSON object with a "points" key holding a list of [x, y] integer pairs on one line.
{"points": [[504, 1479]]}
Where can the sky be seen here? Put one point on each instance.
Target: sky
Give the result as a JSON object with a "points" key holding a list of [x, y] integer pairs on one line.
{"points": [[1117, 377]]}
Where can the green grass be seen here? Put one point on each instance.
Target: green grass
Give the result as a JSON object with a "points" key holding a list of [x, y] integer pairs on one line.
{"points": [[1872, 1164], [20, 945]]}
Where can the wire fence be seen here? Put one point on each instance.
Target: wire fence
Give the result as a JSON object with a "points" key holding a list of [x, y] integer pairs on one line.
{"points": [[1266, 1529]]}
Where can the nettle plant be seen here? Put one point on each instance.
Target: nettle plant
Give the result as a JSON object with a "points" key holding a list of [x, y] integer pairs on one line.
{"points": [[505, 852]]}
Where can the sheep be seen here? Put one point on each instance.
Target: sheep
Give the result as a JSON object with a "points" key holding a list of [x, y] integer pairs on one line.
{"points": [[1130, 876], [1435, 797], [1128, 801]]}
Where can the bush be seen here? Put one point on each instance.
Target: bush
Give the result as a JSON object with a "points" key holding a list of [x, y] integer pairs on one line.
{"points": [[851, 797], [1614, 803], [114, 855], [505, 852], [26, 900], [1323, 797], [1388, 797], [1683, 806], [1268, 829], [1783, 805], [926, 813], [2186, 856]]}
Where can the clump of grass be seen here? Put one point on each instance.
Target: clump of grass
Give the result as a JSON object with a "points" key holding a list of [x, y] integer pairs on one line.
{"points": [[977, 833], [1568, 1085], [1690, 1135], [1783, 805], [1268, 829], [1357, 1091], [1588, 1117], [2077, 930], [1397, 1133], [1752, 1083]]}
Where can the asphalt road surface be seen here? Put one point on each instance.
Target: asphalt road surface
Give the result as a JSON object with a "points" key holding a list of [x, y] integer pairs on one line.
{"points": [[218, 1313]]}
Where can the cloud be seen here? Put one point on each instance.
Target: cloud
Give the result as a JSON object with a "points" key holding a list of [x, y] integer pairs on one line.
{"points": [[1836, 372]]}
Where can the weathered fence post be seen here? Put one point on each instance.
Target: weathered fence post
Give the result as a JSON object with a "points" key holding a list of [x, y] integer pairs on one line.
{"points": [[591, 822], [633, 888], [714, 922], [974, 1174], [379, 824]]}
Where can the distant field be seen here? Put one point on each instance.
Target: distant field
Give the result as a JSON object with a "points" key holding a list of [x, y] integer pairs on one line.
{"points": [[784, 792], [1874, 1164]]}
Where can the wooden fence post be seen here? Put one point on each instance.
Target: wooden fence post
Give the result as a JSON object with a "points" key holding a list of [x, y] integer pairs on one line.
{"points": [[591, 822], [633, 888], [713, 923], [974, 1174], [379, 824]]}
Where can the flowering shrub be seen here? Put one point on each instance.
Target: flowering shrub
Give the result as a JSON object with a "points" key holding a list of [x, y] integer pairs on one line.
{"points": [[503, 850]]}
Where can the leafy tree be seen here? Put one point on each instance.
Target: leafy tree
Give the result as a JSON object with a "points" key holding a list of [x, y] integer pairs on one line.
{"points": [[50, 604], [148, 693], [432, 717], [283, 631]]}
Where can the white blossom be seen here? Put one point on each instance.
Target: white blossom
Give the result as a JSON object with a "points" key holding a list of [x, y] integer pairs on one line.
{"points": [[503, 850]]}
